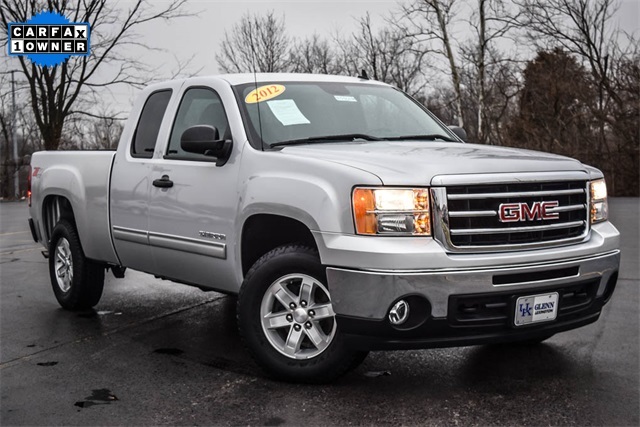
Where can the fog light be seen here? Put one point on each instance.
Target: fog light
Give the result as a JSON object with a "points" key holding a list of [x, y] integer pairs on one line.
{"points": [[399, 313]]}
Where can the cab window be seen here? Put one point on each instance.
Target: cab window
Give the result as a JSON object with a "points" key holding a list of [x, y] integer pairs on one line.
{"points": [[199, 106], [146, 134]]}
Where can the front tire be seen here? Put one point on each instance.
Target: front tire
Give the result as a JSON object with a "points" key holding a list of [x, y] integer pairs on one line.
{"points": [[286, 318], [77, 281]]}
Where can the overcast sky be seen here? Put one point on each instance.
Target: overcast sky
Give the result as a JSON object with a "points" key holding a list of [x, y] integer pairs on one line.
{"points": [[199, 36]]}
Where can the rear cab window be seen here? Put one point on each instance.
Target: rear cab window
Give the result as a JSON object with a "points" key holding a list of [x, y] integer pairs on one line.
{"points": [[146, 134]]}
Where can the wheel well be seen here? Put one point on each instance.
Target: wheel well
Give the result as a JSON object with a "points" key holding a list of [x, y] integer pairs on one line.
{"points": [[264, 232], [55, 208]]}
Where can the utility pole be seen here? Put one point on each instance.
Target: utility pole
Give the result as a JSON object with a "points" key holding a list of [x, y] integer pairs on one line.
{"points": [[16, 173]]}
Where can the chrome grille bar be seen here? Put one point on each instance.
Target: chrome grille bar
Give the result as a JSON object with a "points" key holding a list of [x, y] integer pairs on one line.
{"points": [[473, 231], [469, 214], [567, 208], [473, 214], [515, 194]]}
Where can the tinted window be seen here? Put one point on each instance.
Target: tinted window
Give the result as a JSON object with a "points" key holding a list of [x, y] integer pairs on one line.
{"points": [[144, 140], [199, 106]]}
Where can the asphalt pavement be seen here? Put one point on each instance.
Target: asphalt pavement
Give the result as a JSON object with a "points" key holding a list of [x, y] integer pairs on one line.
{"points": [[155, 352]]}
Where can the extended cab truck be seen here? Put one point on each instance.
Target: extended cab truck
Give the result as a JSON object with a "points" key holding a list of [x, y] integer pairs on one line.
{"points": [[345, 216]]}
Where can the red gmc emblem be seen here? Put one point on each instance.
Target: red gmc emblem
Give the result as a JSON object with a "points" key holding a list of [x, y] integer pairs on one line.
{"points": [[512, 212]]}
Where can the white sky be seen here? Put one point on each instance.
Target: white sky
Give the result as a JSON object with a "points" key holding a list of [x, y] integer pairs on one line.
{"points": [[303, 17], [200, 35]]}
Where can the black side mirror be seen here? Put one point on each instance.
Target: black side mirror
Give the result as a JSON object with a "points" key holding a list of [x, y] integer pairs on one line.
{"points": [[460, 132], [205, 139]]}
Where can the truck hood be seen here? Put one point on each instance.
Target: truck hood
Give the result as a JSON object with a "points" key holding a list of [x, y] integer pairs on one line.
{"points": [[417, 162]]}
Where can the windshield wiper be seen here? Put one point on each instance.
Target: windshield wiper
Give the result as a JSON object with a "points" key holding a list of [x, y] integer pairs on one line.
{"points": [[430, 137], [329, 138]]}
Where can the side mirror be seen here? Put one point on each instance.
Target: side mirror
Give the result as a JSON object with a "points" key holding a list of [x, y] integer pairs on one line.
{"points": [[460, 132], [205, 139]]}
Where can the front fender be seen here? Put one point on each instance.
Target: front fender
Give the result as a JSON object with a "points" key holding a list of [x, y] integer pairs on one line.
{"points": [[312, 191], [315, 192]]}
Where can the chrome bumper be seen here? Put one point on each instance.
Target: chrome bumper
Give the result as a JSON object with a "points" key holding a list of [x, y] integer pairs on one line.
{"points": [[369, 294]]}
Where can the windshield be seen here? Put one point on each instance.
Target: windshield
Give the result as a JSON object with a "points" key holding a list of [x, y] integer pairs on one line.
{"points": [[307, 112]]}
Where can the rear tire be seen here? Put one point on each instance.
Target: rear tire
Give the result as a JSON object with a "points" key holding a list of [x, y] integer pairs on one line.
{"points": [[286, 319], [77, 281]]}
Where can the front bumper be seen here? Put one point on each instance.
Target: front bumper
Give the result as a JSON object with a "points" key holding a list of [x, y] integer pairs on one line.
{"points": [[468, 307], [452, 331]]}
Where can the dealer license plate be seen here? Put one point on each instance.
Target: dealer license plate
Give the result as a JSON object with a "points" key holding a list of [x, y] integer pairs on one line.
{"points": [[536, 308]]}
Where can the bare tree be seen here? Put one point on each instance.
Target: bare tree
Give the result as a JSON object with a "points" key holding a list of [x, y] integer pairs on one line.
{"points": [[431, 20], [481, 29], [621, 118], [491, 21], [389, 55], [106, 133], [315, 55], [7, 168], [92, 134], [584, 28], [468, 62], [578, 26], [258, 43], [503, 85], [20, 125], [57, 91]]}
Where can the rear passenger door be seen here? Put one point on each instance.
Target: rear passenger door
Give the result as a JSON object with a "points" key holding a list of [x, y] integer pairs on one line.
{"points": [[130, 183], [191, 224]]}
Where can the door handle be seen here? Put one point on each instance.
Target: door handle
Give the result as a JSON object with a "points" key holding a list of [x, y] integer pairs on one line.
{"points": [[163, 182]]}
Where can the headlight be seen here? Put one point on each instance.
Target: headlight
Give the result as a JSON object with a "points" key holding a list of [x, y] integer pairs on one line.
{"points": [[599, 207], [392, 211]]}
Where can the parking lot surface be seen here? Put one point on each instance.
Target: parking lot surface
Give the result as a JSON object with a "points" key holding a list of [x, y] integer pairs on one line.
{"points": [[155, 352]]}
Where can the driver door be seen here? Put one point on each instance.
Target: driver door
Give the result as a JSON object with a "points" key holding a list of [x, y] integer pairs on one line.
{"points": [[192, 222]]}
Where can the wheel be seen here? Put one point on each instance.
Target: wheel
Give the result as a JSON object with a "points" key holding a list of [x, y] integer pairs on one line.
{"points": [[77, 282], [286, 318]]}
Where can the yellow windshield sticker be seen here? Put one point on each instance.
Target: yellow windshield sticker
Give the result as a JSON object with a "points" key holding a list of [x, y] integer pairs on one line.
{"points": [[263, 93]]}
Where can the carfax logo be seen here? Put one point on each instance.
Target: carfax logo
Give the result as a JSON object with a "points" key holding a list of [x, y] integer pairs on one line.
{"points": [[48, 39]]}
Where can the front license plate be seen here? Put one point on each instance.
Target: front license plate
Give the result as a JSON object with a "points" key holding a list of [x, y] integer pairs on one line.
{"points": [[536, 308]]}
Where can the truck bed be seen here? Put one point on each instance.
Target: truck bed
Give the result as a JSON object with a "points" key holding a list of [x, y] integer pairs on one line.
{"points": [[82, 177]]}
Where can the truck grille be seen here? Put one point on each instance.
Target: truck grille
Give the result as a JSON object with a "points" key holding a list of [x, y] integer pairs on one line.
{"points": [[474, 219]]}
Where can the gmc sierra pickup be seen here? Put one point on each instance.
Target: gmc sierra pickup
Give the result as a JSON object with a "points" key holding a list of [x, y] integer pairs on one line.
{"points": [[344, 216]]}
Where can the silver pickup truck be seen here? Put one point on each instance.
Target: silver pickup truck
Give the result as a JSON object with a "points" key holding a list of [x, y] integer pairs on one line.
{"points": [[343, 214]]}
